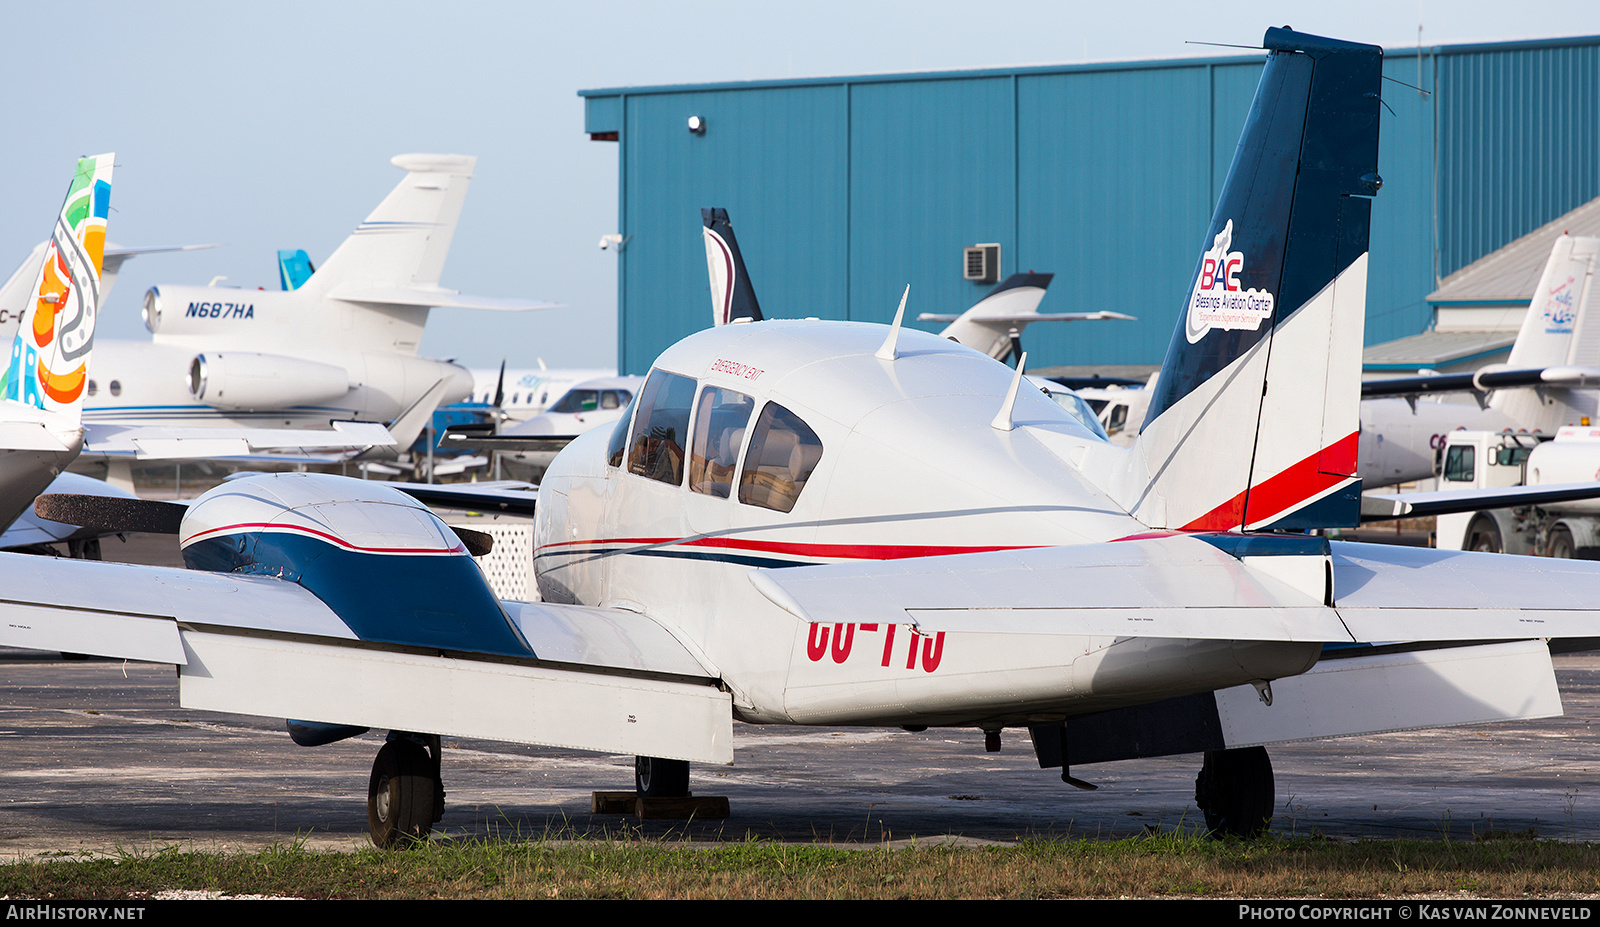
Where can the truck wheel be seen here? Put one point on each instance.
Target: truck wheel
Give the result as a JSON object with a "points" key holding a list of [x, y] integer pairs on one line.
{"points": [[1483, 534], [1561, 545]]}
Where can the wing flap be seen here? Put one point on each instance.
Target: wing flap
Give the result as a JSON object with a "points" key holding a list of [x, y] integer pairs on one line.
{"points": [[336, 684]]}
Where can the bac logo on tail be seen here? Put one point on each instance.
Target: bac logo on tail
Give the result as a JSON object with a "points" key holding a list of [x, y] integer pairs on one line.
{"points": [[1218, 301]]}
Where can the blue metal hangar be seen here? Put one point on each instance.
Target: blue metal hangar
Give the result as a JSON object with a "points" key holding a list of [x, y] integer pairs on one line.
{"points": [[843, 190]]}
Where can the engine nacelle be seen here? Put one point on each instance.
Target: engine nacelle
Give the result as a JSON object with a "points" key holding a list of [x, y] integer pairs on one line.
{"points": [[212, 311], [235, 380], [387, 566]]}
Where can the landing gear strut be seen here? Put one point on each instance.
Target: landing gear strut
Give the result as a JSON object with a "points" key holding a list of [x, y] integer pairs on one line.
{"points": [[654, 777], [405, 795], [1235, 791]]}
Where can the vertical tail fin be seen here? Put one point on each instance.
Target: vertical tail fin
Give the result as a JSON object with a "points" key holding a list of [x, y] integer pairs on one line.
{"points": [[1559, 330], [994, 322], [403, 243], [294, 268], [50, 354], [1254, 418], [732, 296]]}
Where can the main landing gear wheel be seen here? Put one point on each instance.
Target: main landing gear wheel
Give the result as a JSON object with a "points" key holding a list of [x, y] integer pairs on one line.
{"points": [[1235, 791], [654, 777], [404, 795]]}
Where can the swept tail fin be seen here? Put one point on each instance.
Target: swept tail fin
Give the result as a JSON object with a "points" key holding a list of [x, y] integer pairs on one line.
{"points": [[732, 296], [50, 354], [403, 243], [1253, 422]]}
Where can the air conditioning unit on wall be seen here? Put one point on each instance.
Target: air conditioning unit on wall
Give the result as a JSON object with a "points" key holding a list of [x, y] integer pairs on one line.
{"points": [[981, 263]]}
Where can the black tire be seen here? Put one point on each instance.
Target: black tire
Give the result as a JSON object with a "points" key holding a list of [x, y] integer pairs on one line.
{"points": [[1562, 546], [1235, 791], [401, 795], [654, 777], [1484, 535]]}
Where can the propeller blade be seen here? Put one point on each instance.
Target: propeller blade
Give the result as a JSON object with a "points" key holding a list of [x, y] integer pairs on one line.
{"points": [[110, 513]]}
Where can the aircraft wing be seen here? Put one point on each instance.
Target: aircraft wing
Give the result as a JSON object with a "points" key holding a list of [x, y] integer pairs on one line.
{"points": [[511, 496], [1217, 587], [1387, 506], [180, 443], [434, 297], [1481, 381], [1026, 317], [599, 679]]}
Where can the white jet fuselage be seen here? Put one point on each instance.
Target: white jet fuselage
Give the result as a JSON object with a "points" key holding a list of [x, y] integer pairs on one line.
{"points": [[264, 363], [910, 466]]}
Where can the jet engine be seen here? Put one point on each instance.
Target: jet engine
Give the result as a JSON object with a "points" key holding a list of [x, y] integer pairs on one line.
{"points": [[236, 380]]}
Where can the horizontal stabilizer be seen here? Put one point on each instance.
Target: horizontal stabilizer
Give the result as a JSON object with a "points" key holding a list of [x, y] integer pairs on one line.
{"points": [[424, 297], [1386, 507]]}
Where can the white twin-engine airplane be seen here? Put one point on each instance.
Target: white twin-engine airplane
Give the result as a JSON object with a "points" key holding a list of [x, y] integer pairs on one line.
{"points": [[813, 522], [340, 347]]}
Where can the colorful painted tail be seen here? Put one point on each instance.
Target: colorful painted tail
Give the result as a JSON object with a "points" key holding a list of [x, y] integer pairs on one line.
{"points": [[1254, 420], [732, 296], [1560, 330], [50, 354]]}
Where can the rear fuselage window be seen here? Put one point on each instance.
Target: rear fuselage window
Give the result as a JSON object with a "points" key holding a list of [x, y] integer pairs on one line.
{"points": [[661, 428], [783, 453], [579, 400], [720, 421]]}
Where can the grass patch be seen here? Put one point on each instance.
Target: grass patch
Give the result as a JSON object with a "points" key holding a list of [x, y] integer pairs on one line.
{"points": [[576, 866]]}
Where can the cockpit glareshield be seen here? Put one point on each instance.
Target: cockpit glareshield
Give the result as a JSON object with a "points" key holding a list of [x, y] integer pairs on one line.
{"points": [[783, 453], [660, 427], [720, 421]]}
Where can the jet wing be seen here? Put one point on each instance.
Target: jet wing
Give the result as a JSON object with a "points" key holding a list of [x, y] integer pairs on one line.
{"points": [[1481, 381], [1387, 506], [1216, 587], [179, 443]]}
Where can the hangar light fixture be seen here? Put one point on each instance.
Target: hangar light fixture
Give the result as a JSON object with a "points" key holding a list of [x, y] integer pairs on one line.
{"points": [[697, 125]]}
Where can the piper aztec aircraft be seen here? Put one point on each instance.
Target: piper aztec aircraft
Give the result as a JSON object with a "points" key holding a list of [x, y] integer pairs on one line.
{"points": [[992, 325], [814, 522], [340, 347]]}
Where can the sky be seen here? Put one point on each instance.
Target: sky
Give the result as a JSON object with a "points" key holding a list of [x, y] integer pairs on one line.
{"points": [[261, 126]]}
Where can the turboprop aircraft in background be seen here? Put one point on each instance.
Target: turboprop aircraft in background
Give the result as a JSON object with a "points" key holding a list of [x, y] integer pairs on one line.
{"points": [[993, 325], [340, 347], [814, 522]]}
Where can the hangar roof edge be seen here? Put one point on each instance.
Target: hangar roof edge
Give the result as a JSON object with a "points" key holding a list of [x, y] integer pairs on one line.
{"points": [[1116, 65]]}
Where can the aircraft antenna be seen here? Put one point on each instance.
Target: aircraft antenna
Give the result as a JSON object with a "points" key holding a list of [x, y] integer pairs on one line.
{"points": [[891, 344], [1002, 421]]}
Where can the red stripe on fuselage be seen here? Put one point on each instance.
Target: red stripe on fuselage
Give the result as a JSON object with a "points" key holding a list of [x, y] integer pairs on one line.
{"points": [[828, 551], [1297, 484]]}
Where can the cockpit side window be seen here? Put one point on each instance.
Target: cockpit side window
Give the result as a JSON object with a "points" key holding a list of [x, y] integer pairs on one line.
{"points": [[660, 427], [783, 453], [619, 437], [720, 421], [578, 400]]}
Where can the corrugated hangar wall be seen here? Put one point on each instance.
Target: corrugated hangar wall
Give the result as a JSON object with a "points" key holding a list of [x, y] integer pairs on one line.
{"points": [[844, 190]]}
